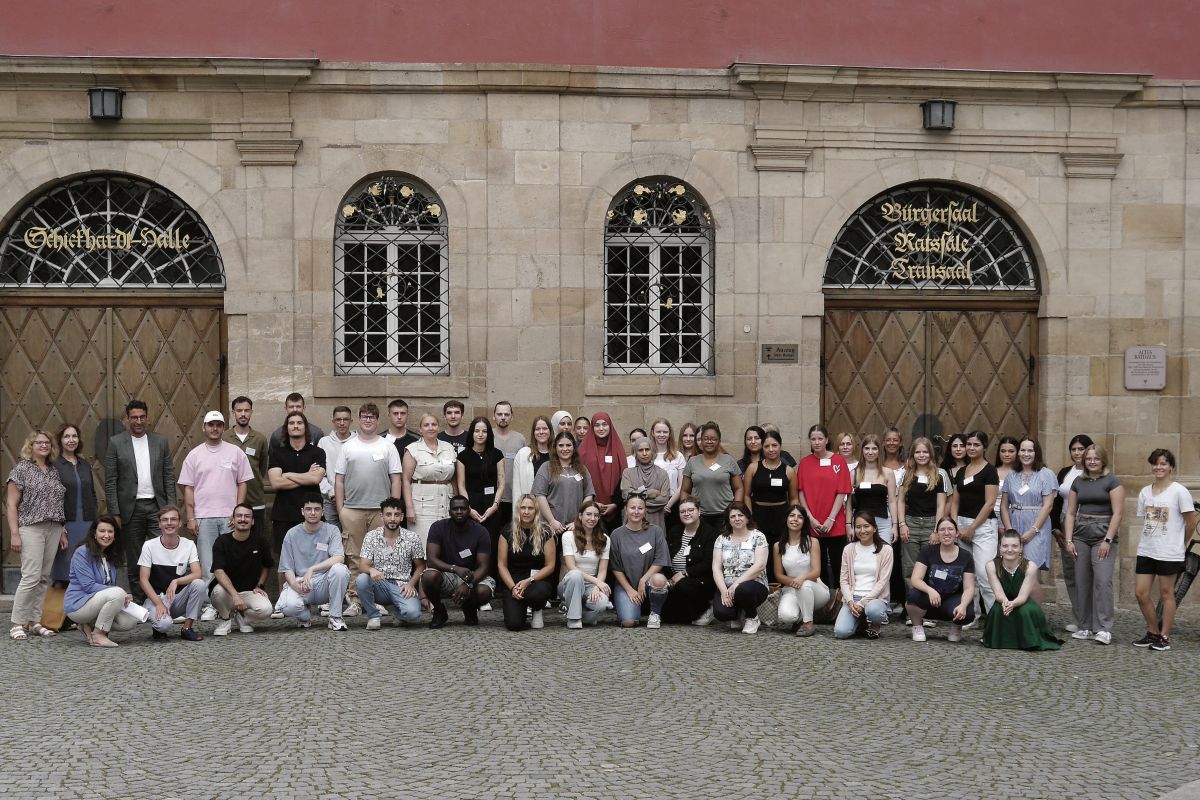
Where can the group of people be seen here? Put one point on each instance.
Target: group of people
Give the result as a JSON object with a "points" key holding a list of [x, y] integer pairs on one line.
{"points": [[674, 529]]}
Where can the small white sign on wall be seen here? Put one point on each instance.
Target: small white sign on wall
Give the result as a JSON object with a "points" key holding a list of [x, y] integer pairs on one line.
{"points": [[1146, 367]]}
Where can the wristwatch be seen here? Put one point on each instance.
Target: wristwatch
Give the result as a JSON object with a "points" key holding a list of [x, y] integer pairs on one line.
{"points": [[1108, 541]]}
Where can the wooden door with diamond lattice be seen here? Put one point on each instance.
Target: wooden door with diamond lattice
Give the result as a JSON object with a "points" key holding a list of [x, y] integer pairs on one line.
{"points": [[929, 373], [81, 363]]}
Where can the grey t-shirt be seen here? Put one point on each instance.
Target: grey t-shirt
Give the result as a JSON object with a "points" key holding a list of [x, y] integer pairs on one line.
{"points": [[509, 445], [634, 552], [564, 494], [711, 485], [367, 469], [1092, 496], [302, 549]]}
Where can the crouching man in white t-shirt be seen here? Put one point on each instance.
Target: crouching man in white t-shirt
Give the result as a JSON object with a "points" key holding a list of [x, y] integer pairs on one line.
{"points": [[169, 574], [311, 565]]}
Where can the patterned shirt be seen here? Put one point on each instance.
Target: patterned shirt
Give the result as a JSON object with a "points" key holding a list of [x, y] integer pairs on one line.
{"points": [[42, 493], [737, 558], [394, 562]]}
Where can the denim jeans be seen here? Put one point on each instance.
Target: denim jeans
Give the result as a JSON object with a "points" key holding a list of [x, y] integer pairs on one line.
{"points": [[846, 624], [628, 611], [207, 531], [372, 594]]}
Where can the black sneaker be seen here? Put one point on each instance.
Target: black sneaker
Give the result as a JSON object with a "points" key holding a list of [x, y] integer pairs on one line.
{"points": [[1147, 640], [1161, 643], [191, 635], [470, 616], [159, 635], [439, 618]]}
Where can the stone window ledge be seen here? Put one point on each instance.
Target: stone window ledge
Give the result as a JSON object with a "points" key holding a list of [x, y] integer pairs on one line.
{"points": [[658, 385], [406, 386]]}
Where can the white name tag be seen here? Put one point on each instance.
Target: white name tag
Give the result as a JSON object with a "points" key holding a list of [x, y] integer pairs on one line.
{"points": [[378, 457], [322, 547], [777, 481], [464, 553], [226, 465], [578, 478], [250, 451], [489, 490], [865, 485], [1023, 489], [686, 550], [748, 544], [646, 548], [941, 574], [608, 459], [533, 572], [180, 569], [968, 480], [923, 479], [715, 467], [825, 462]]}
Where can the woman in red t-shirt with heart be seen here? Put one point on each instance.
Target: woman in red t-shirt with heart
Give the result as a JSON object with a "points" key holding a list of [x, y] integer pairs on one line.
{"points": [[822, 483]]}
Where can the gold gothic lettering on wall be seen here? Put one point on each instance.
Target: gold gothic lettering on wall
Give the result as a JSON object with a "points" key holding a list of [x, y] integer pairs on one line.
{"points": [[82, 238], [950, 241]]}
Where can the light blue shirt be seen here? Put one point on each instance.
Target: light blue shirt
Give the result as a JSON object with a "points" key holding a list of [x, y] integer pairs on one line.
{"points": [[302, 549]]}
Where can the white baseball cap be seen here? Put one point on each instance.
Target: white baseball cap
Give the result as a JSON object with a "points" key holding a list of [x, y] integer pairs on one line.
{"points": [[214, 416]]}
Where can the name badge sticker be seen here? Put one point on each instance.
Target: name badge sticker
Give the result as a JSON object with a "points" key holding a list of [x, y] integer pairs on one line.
{"points": [[941, 574], [1023, 489], [464, 553], [322, 547], [181, 569], [608, 459], [250, 451], [578, 478], [777, 481], [715, 467], [646, 548], [865, 485], [923, 479], [685, 550], [968, 480], [377, 457], [748, 544], [489, 490], [825, 462], [226, 465]]}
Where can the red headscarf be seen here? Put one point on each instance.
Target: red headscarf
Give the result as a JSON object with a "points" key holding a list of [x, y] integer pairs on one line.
{"points": [[604, 459]]}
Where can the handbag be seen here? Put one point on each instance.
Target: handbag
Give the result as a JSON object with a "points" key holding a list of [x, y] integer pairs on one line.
{"points": [[768, 610], [826, 614], [53, 615]]}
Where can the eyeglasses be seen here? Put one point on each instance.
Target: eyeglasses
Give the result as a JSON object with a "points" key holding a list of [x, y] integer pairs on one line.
{"points": [[42, 443], [367, 417]]}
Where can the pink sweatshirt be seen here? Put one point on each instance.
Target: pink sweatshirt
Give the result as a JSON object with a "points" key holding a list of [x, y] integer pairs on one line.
{"points": [[883, 573]]}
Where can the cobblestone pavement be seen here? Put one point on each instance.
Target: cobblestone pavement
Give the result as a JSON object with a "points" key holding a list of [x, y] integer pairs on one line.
{"points": [[599, 713]]}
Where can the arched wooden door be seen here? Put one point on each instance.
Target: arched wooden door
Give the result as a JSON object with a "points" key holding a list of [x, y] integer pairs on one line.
{"points": [[930, 318]]}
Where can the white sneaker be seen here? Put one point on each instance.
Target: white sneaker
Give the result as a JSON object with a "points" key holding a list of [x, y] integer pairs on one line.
{"points": [[975, 623], [536, 620], [276, 614], [918, 633], [1071, 628], [383, 610], [242, 625], [654, 622], [1103, 637], [1083, 633], [352, 610], [337, 624], [179, 620], [324, 607], [373, 624], [751, 625], [223, 627], [486, 607], [575, 624], [704, 619], [955, 634], [208, 614]]}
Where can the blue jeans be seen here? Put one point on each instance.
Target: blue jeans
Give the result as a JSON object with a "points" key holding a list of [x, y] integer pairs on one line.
{"points": [[386, 593], [207, 531], [846, 624], [627, 611]]}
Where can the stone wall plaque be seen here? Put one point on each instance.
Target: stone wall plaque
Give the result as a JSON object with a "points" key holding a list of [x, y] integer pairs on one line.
{"points": [[1146, 367], [781, 354]]}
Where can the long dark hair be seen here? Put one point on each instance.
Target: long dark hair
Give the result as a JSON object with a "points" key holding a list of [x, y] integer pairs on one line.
{"points": [[1015, 442], [762, 434], [805, 538], [490, 442], [947, 458], [115, 553], [869, 517]]}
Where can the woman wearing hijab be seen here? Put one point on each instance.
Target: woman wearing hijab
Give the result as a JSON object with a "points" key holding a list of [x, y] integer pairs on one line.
{"points": [[562, 421], [603, 454], [649, 480]]}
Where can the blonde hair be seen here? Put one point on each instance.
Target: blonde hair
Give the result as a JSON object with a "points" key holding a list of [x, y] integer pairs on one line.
{"points": [[911, 468], [27, 447], [1103, 456], [671, 453], [519, 533]]}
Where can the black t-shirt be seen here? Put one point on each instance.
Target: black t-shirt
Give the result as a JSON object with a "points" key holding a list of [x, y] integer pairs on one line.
{"points": [[921, 499], [538, 460], [970, 489], [480, 474], [873, 499], [460, 548], [524, 562], [243, 562], [460, 440], [946, 578], [402, 442], [288, 502]]}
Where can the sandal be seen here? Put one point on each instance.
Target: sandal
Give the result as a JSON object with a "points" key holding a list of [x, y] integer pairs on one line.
{"points": [[872, 631], [86, 630], [38, 629], [17, 633]]}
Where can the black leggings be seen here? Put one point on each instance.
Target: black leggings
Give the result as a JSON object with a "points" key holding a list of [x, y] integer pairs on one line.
{"points": [[536, 595], [688, 600], [831, 560], [747, 597]]}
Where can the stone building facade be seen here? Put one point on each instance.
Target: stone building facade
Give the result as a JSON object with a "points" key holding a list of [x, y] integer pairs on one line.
{"points": [[1097, 173]]}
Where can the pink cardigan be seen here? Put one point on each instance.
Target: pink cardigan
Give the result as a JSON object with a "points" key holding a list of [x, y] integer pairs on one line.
{"points": [[883, 573]]}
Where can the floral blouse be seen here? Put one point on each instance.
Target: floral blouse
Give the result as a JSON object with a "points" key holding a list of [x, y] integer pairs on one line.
{"points": [[737, 558], [42, 493]]}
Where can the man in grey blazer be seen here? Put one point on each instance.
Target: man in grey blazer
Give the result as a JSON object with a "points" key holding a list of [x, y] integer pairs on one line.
{"points": [[139, 479]]}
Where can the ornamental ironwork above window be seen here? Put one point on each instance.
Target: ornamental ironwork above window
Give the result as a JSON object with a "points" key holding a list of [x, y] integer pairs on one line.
{"points": [[109, 231], [390, 281], [658, 281], [929, 238]]}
